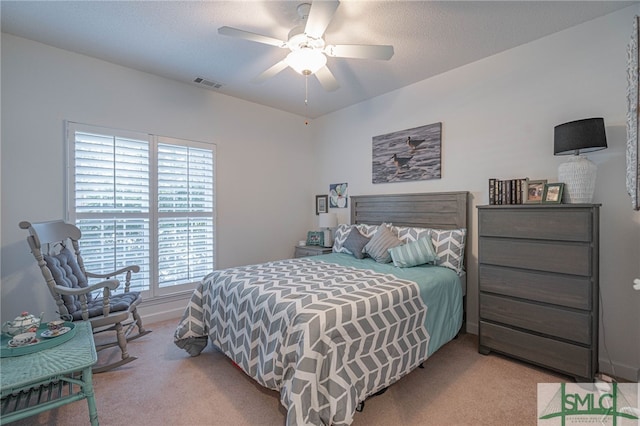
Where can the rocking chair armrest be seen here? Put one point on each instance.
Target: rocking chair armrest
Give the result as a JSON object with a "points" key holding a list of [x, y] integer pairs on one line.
{"points": [[132, 268], [112, 284]]}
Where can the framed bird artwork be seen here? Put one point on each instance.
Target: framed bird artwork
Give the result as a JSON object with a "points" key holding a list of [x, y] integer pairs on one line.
{"points": [[407, 155]]}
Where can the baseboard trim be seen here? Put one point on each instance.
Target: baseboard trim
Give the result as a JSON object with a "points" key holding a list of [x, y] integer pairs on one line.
{"points": [[621, 371], [163, 309], [174, 314], [472, 327]]}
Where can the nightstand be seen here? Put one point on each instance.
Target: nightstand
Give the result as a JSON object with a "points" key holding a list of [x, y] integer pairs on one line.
{"points": [[304, 251]]}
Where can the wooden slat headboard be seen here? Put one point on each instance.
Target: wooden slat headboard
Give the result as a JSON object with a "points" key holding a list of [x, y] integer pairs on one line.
{"points": [[438, 210]]}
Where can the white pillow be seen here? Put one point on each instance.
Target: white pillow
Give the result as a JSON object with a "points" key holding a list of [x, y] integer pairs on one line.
{"points": [[367, 230], [407, 234], [449, 246], [341, 234]]}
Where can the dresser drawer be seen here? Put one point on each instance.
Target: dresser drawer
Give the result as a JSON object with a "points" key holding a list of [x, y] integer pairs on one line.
{"points": [[561, 323], [545, 224], [563, 290], [550, 256], [565, 357]]}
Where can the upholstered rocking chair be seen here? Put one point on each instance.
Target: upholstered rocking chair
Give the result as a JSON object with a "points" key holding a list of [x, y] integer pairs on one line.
{"points": [[68, 281]]}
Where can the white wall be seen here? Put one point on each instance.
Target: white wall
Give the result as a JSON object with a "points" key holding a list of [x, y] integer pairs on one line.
{"points": [[498, 116], [264, 156]]}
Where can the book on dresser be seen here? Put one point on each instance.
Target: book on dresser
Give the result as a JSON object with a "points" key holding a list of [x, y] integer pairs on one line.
{"points": [[506, 191], [538, 281]]}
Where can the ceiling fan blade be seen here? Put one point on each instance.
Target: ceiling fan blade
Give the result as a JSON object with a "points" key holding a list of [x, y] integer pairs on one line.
{"points": [[234, 32], [360, 51], [319, 17], [326, 79], [270, 72]]}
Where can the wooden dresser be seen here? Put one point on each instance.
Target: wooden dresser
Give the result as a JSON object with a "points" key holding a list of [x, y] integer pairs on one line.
{"points": [[538, 284]]}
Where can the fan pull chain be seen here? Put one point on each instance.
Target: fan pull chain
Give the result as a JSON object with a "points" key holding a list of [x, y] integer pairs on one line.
{"points": [[306, 98], [306, 90]]}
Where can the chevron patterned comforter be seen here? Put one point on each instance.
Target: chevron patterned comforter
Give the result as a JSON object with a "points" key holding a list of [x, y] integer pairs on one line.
{"points": [[325, 336]]}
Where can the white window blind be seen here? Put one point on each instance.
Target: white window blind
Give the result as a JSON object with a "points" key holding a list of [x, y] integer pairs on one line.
{"points": [[145, 200], [185, 207]]}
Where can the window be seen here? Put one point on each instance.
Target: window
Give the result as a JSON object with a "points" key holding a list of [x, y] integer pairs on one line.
{"points": [[146, 200]]}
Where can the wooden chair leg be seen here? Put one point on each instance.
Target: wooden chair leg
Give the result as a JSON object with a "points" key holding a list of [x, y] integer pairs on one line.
{"points": [[122, 340], [122, 344], [136, 317]]}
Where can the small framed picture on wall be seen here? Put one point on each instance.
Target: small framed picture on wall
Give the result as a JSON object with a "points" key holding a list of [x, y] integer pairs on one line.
{"points": [[322, 204]]}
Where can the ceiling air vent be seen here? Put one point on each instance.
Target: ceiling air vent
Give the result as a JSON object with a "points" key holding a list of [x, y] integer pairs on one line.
{"points": [[207, 83]]}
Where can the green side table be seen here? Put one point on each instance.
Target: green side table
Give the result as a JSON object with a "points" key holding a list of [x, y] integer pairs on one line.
{"points": [[37, 382]]}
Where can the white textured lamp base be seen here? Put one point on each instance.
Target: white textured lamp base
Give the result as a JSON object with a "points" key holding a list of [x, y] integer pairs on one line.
{"points": [[579, 177], [328, 237]]}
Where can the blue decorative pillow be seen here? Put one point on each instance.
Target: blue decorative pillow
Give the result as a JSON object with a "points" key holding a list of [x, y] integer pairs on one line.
{"points": [[355, 243], [380, 243], [413, 253]]}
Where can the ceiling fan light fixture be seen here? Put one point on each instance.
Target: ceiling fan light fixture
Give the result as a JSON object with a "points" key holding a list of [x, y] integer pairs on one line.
{"points": [[308, 49], [306, 61]]}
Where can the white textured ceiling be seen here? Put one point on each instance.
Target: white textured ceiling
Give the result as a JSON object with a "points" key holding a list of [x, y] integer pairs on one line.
{"points": [[179, 40]]}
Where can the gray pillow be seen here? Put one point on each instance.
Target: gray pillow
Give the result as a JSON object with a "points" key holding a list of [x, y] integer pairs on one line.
{"points": [[380, 243], [355, 243]]}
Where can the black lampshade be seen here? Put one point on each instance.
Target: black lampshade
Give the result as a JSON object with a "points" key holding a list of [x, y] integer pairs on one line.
{"points": [[579, 136]]}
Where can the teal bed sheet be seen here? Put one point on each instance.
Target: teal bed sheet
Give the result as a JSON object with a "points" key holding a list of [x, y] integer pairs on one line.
{"points": [[440, 288]]}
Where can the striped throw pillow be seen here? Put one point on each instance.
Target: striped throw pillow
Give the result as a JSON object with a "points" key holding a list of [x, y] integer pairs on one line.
{"points": [[413, 253], [379, 245]]}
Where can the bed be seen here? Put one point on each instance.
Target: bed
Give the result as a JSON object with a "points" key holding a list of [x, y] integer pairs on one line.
{"points": [[328, 331]]}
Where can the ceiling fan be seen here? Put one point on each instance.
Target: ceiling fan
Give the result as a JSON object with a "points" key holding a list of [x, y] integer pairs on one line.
{"points": [[309, 51]]}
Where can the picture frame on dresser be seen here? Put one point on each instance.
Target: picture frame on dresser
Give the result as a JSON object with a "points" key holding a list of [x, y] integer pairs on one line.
{"points": [[553, 193], [534, 191]]}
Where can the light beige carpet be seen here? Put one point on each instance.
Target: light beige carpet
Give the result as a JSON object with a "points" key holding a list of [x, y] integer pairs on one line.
{"points": [[165, 386]]}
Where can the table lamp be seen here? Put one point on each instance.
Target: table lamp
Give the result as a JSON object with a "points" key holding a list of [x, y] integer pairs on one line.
{"points": [[579, 173], [328, 221]]}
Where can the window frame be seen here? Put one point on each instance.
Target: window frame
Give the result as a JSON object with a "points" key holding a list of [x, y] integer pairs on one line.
{"points": [[153, 216]]}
